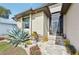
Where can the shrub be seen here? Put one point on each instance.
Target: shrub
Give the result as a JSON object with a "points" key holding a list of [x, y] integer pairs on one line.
{"points": [[71, 49], [45, 38], [35, 36], [29, 42], [66, 42]]}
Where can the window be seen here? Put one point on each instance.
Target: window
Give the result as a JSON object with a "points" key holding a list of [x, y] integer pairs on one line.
{"points": [[26, 22]]}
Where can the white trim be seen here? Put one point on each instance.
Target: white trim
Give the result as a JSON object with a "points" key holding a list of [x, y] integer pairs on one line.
{"points": [[30, 29]]}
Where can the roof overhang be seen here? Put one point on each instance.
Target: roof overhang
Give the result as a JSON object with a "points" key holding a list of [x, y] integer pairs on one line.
{"points": [[65, 7], [31, 11]]}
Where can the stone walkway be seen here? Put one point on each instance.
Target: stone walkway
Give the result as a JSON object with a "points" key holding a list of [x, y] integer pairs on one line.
{"points": [[49, 49]]}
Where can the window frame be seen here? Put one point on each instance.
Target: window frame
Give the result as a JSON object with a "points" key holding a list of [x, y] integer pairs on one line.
{"points": [[24, 23]]}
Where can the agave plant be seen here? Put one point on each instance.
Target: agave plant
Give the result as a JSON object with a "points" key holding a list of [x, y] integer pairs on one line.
{"points": [[17, 36]]}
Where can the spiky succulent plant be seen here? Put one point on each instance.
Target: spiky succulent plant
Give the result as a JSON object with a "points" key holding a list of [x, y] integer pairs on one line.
{"points": [[17, 36]]}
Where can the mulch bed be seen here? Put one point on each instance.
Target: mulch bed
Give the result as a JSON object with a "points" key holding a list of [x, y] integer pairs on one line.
{"points": [[2, 38]]}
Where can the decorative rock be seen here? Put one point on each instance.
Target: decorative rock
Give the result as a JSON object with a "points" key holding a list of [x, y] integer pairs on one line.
{"points": [[35, 50]]}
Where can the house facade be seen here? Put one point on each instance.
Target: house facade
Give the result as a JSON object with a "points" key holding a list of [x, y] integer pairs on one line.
{"points": [[52, 19], [34, 20], [40, 20]]}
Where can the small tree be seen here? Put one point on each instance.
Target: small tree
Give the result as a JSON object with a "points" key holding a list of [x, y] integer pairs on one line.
{"points": [[17, 36], [4, 13]]}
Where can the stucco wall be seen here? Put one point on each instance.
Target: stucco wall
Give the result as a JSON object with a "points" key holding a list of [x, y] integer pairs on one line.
{"points": [[71, 25], [45, 24], [37, 23], [40, 23], [19, 23]]}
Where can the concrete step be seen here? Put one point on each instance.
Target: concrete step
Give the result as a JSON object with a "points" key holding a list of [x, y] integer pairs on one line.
{"points": [[59, 40]]}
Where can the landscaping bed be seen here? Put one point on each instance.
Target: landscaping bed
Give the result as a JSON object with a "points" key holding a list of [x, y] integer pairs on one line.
{"points": [[7, 49], [2, 38]]}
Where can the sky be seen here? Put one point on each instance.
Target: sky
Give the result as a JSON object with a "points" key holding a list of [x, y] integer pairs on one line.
{"points": [[16, 8]]}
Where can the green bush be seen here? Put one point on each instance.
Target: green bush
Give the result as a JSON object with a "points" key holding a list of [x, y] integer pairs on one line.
{"points": [[71, 49], [35, 36], [66, 42], [29, 42]]}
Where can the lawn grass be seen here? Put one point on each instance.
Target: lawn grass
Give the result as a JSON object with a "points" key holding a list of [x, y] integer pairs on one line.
{"points": [[7, 49], [4, 46]]}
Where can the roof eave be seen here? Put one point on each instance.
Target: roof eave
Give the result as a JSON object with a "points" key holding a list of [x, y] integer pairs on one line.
{"points": [[65, 7], [31, 11]]}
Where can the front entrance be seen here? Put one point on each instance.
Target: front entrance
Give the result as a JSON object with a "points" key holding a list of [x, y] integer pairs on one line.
{"points": [[60, 26], [56, 24]]}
